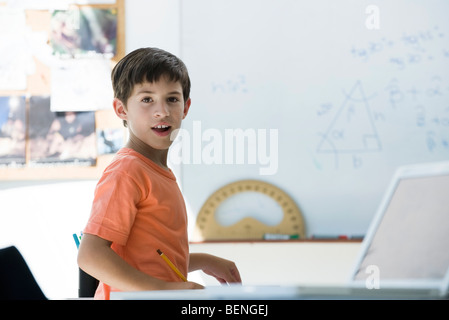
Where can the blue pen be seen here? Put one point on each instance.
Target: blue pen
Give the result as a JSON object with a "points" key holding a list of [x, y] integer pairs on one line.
{"points": [[77, 242]]}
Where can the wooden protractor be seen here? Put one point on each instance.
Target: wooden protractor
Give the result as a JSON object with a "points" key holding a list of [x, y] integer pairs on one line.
{"points": [[248, 228]]}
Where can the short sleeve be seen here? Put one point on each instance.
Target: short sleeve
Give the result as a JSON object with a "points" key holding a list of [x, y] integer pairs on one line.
{"points": [[114, 207]]}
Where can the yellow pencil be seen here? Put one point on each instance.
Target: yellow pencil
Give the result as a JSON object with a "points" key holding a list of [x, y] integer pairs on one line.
{"points": [[171, 265]]}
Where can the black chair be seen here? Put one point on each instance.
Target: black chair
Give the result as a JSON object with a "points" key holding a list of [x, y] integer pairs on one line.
{"points": [[87, 285], [16, 280]]}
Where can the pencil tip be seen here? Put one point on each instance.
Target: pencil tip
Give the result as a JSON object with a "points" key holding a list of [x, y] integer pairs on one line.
{"points": [[159, 251]]}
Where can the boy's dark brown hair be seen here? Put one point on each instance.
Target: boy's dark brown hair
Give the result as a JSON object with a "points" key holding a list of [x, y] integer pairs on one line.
{"points": [[147, 64]]}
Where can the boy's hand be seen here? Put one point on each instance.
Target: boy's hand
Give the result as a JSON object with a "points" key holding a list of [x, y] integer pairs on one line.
{"points": [[223, 270]]}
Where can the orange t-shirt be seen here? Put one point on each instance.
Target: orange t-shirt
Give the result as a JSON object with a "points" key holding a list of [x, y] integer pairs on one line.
{"points": [[139, 208]]}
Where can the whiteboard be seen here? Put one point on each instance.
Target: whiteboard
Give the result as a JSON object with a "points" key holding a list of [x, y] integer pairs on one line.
{"points": [[353, 89]]}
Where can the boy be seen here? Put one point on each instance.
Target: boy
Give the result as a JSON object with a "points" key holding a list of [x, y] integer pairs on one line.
{"points": [[138, 207]]}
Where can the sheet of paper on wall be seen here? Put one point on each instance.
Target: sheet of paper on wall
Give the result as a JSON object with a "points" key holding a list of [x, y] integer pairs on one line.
{"points": [[81, 85], [93, 1], [38, 45], [16, 60], [12, 20], [40, 81], [39, 5]]}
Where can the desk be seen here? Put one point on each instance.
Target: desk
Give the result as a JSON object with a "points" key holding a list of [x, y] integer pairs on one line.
{"points": [[318, 292], [293, 262]]}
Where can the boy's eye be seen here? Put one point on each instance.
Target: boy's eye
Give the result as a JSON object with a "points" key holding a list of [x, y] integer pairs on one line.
{"points": [[173, 99], [146, 100]]}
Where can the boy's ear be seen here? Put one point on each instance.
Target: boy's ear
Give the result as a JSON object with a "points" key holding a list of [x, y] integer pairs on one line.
{"points": [[120, 109], [186, 107]]}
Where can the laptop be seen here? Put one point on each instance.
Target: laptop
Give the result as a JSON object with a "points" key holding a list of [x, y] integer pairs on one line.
{"points": [[407, 244], [404, 254]]}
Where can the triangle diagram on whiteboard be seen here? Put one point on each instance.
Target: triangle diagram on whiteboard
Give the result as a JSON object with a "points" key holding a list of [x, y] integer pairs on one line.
{"points": [[352, 130]]}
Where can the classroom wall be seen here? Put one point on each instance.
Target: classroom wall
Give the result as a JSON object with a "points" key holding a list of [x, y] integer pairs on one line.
{"points": [[153, 23]]}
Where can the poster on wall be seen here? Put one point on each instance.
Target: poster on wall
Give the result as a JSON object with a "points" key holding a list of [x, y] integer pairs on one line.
{"points": [[109, 140], [12, 131], [84, 39], [60, 137], [82, 31]]}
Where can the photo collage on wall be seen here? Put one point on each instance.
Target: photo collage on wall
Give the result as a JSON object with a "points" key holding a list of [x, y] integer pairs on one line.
{"points": [[60, 128], [64, 137]]}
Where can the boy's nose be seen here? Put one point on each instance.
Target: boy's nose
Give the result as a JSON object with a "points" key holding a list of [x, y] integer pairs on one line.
{"points": [[161, 110]]}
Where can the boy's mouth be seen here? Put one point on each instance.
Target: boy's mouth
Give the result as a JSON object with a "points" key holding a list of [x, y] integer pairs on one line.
{"points": [[161, 129]]}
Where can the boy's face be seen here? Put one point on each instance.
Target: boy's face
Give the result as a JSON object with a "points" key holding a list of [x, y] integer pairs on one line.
{"points": [[153, 111]]}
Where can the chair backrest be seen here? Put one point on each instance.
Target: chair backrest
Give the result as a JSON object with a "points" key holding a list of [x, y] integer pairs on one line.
{"points": [[16, 280], [87, 285]]}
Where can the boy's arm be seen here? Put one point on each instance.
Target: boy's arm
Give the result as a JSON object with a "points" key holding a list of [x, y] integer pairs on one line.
{"points": [[223, 270], [96, 258]]}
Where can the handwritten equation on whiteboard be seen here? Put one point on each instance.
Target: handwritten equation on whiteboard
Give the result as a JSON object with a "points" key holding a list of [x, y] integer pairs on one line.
{"points": [[233, 85], [410, 100], [354, 125], [411, 48]]}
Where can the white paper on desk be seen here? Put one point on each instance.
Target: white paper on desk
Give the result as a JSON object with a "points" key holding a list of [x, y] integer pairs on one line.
{"points": [[81, 85]]}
